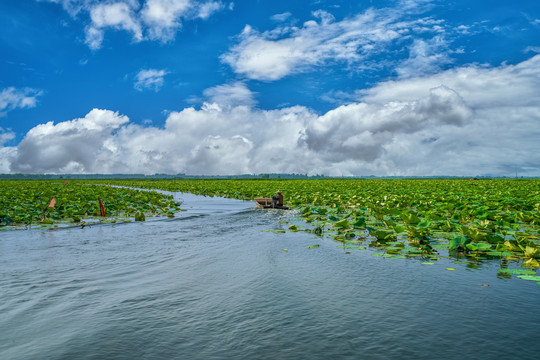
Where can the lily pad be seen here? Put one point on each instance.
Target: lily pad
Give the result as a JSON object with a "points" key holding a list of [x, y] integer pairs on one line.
{"points": [[313, 246], [350, 247], [517, 271], [428, 263], [529, 277], [451, 269], [500, 254]]}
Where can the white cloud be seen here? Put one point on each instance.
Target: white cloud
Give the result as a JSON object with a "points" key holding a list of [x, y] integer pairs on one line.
{"points": [[206, 10], [230, 94], [163, 17], [360, 131], [12, 98], [535, 49], [144, 20], [272, 55], [281, 17], [119, 16], [467, 121], [149, 79], [71, 146], [5, 136], [425, 57]]}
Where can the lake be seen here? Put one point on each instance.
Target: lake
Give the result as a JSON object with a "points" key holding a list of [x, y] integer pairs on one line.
{"points": [[215, 283]]}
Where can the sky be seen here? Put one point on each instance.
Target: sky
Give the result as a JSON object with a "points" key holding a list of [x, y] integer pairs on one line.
{"points": [[212, 87]]}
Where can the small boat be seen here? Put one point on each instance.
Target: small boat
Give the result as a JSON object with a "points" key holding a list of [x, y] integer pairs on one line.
{"points": [[268, 203]]}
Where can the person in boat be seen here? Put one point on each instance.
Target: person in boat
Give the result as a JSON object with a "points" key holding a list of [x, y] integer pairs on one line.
{"points": [[278, 199]]}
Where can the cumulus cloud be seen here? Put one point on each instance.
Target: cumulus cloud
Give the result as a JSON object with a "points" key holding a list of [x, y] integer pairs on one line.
{"points": [[285, 50], [144, 20], [70, 146], [360, 131], [467, 121], [12, 98], [149, 79]]}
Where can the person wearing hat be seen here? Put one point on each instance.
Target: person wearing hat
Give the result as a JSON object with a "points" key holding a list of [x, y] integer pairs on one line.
{"points": [[278, 199]]}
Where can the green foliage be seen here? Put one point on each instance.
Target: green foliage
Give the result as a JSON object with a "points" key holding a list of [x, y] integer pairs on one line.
{"points": [[458, 243], [25, 202], [139, 216]]}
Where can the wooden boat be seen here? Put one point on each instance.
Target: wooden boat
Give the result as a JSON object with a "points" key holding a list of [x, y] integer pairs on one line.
{"points": [[268, 203]]}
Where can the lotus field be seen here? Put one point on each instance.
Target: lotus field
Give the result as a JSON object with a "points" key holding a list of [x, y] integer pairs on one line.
{"points": [[470, 220], [26, 203]]}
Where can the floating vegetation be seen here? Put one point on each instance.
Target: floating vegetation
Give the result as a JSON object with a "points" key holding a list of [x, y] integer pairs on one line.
{"points": [[529, 277], [517, 271], [30, 203], [467, 221]]}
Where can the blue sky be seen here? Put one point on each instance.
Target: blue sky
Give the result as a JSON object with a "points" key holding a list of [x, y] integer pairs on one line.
{"points": [[402, 87]]}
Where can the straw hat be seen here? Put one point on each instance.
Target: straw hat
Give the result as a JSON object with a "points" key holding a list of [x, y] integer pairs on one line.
{"points": [[279, 191]]}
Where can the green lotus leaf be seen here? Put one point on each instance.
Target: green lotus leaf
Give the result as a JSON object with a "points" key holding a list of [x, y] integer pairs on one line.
{"points": [[500, 254], [529, 277], [517, 271], [349, 247], [530, 252], [393, 250], [313, 246], [531, 263], [139, 216], [342, 224], [410, 218], [458, 242], [360, 223]]}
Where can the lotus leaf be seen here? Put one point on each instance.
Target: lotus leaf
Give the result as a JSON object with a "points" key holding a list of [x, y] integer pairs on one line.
{"points": [[517, 271], [531, 263], [393, 250], [342, 224], [458, 243], [529, 277], [139, 216]]}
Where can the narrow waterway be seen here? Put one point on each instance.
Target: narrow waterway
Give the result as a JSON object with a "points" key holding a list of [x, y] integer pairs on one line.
{"points": [[214, 283]]}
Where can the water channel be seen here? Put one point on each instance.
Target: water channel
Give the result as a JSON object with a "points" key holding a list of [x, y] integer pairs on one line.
{"points": [[214, 283]]}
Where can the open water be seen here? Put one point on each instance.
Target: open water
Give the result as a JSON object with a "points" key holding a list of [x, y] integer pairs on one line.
{"points": [[212, 284]]}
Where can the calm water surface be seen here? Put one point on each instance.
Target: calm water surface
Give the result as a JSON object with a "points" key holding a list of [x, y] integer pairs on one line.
{"points": [[210, 284]]}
